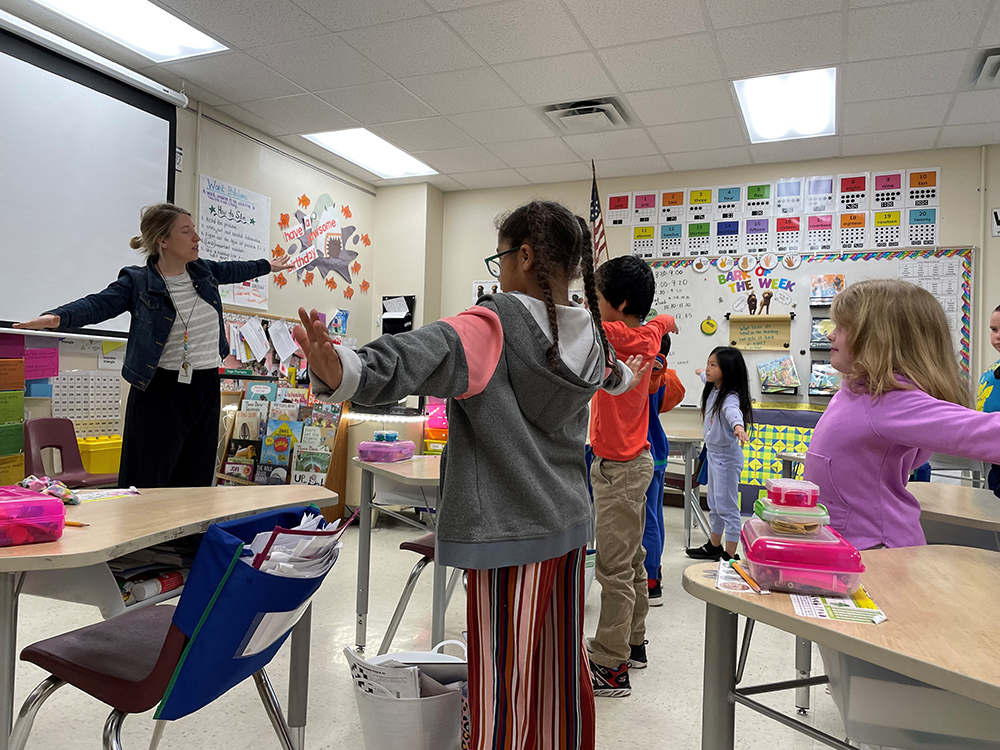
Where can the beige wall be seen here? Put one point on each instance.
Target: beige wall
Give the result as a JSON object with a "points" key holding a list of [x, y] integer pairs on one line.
{"points": [[399, 265]]}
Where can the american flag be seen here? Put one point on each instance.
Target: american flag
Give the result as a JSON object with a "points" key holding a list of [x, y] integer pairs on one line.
{"points": [[597, 223]]}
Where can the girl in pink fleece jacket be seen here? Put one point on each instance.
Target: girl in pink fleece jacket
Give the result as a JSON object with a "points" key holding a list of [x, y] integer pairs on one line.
{"points": [[902, 399]]}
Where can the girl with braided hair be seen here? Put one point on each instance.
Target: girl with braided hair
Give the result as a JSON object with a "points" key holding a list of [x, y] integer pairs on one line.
{"points": [[519, 370]]}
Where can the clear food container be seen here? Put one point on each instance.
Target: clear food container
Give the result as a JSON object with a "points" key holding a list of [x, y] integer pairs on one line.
{"points": [[789, 519], [28, 517], [386, 453], [796, 492], [819, 563]]}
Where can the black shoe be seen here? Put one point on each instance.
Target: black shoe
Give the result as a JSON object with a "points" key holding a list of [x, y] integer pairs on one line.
{"points": [[655, 593], [610, 683], [727, 557], [637, 658], [707, 551]]}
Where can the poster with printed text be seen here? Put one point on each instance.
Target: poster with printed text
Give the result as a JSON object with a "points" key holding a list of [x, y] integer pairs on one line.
{"points": [[234, 224]]}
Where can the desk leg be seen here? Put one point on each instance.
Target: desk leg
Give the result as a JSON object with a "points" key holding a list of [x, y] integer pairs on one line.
{"points": [[803, 668], [298, 679], [364, 558], [8, 654], [787, 469], [440, 601], [718, 713], [688, 482]]}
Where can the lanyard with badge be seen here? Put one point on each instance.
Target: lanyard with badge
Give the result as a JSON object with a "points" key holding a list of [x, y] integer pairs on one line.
{"points": [[185, 373]]}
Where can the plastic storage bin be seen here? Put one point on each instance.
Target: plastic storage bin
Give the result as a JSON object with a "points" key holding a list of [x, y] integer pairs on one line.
{"points": [[28, 517], [795, 492], [431, 434], [790, 519], [819, 563], [437, 413], [101, 455], [434, 447], [385, 453]]}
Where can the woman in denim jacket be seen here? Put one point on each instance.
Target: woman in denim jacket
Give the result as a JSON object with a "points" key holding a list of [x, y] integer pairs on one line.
{"points": [[175, 345]]}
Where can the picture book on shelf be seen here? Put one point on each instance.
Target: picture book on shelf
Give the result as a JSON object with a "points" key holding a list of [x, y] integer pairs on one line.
{"points": [[282, 437], [821, 328], [824, 380], [247, 425], [261, 391], [778, 375], [244, 451], [825, 287], [261, 409], [293, 395], [268, 474], [310, 466], [324, 415], [240, 471], [287, 412]]}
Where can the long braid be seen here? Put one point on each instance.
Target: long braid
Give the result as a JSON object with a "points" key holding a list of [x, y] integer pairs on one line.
{"points": [[543, 274], [590, 290]]}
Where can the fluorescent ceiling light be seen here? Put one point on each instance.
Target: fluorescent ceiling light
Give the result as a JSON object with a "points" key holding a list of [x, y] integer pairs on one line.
{"points": [[791, 105], [370, 152], [138, 25]]}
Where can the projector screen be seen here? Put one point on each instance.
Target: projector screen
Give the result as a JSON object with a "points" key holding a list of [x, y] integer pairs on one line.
{"points": [[80, 155]]}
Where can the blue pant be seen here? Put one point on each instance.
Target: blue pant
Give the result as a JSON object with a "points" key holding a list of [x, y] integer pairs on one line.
{"points": [[652, 536], [724, 470]]}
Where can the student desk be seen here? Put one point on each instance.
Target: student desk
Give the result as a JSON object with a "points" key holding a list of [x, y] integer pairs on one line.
{"points": [[788, 461], [957, 514], [919, 588], [419, 471], [123, 525], [688, 444]]}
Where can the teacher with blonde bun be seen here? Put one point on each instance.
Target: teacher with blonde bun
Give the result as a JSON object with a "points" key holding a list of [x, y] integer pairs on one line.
{"points": [[176, 342]]}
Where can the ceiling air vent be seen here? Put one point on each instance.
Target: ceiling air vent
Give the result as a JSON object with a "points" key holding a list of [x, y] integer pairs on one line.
{"points": [[588, 116], [983, 70]]}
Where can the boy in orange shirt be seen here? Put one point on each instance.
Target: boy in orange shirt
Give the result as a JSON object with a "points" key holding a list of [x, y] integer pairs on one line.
{"points": [[621, 474]]}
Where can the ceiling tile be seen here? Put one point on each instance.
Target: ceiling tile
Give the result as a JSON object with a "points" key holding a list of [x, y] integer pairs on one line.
{"points": [[249, 23], [462, 159], [900, 30], [254, 121], [702, 101], [95, 42], [233, 75], [889, 142], [969, 135], [424, 135], [975, 106], [635, 165], [614, 144], [466, 90], [895, 114], [440, 181], [321, 64], [518, 30], [303, 113], [496, 178], [609, 24], [557, 173], [656, 65], [375, 103], [716, 158], [938, 73], [534, 153], [30, 11], [499, 125], [991, 32], [191, 90], [417, 46], [557, 79], [697, 136], [341, 15], [796, 150], [728, 13], [781, 45]]}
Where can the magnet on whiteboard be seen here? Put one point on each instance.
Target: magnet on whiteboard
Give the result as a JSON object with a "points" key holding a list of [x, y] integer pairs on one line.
{"points": [[792, 261], [709, 326], [700, 265], [748, 263]]}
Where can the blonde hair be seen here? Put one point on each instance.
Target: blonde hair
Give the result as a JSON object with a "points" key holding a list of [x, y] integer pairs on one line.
{"points": [[900, 340], [155, 223]]}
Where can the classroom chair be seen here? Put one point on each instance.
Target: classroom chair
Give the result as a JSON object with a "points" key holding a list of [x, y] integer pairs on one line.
{"points": [[53, 432], [227, 626]]}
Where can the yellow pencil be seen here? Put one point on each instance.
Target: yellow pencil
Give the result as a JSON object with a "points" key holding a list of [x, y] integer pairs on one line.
{"points": [[76, 523], [750, 581]]}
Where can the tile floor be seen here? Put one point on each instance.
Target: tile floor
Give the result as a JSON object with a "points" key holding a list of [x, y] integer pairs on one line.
{"points": [[664, 710]]}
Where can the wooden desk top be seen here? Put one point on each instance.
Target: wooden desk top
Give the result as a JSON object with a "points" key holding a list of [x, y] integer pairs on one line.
{"points": [[792, 456], [419, 471], [943, 610], [122, 525], [956, 505]]}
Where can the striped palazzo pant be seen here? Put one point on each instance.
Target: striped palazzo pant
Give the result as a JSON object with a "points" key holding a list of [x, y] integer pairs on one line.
{"points": [[529, 675]]}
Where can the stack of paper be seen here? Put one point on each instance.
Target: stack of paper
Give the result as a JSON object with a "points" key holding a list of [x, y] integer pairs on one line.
{"points": [[307, 551]]}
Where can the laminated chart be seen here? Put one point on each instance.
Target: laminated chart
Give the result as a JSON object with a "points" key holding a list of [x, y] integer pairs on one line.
{"points": [[852, 192], [672, 208], [788, 196], [619, 211], [758, 237], [699, 238], [671, 240], [887, 229], [788, 234], [922, 226], [644, 207], [757, 199], [699, 204], [888, 190], [728, 240], [819, 195], [853, 234], [727, 202], [819, 233], [644, 242], [922, 188]]}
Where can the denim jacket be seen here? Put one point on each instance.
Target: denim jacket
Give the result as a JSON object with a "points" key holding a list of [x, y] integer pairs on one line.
{"points": [[141, 291]]}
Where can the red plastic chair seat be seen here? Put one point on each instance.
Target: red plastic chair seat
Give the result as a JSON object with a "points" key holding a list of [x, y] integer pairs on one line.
{"points": [[423, 545], [54, 432]]}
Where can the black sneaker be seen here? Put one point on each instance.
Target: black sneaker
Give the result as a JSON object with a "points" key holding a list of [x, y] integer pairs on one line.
{"points": [[610, 683], [727, 557], [637, 658], [655, 593], [707, 551]]}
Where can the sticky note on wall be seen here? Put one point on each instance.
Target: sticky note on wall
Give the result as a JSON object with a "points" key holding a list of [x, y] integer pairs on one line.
{"points": [[11, 439], [11, 469], [41, 363], [11, 374], [11, 406]]}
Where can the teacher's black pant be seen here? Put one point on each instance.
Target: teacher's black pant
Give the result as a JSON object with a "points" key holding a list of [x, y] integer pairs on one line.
{"points": [[171, 432]]}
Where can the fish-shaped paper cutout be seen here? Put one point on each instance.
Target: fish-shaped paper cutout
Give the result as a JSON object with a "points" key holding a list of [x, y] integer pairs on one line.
{"points": [[283, 222], [304, 201], [356, 267], [331, 283], [365, 286], [308, 280], [280, 280], [348, 293], [346, 211], [278, 252], [365, 240]]}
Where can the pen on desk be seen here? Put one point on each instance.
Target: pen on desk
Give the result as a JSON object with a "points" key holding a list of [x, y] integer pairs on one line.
{"points": [[750, 581], [75, 523]]}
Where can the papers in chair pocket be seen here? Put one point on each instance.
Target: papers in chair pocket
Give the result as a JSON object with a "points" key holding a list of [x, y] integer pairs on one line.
{"points": [[307, 551]]}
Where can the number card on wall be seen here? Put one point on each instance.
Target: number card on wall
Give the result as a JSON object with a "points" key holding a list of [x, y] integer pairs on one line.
{"points": [[758, 237], [922, 226], [699, 204], [788, 196], [644, 242], [853, 233], [819, 195], [699, 238], [819, 233], [644, 208], [727, 202], [887, 229], [852, 192], [671, 240], [922, 189], [619, 211], [728, 240], [671, 206], [757, 200], [888, 190], [788, 234]]}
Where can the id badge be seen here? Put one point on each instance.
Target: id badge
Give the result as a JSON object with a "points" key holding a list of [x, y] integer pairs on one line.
{"points": [[184, 374]]}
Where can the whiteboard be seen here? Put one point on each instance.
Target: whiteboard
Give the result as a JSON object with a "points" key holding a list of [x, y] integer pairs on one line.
{"points": [[692, 296]]}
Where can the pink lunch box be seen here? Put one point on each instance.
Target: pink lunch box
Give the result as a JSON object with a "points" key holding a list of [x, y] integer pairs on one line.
{"points": [[822, 562], [28, 517], [795, 492], [385, 453]]}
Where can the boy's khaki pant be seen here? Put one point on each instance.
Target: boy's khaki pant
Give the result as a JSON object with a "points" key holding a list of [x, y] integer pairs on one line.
{"points": [[620, 504]]}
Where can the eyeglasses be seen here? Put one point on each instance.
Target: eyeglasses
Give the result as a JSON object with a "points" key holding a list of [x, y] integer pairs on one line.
{"points": [[493, 262]]}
